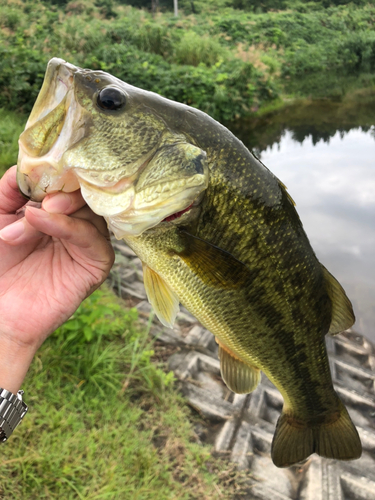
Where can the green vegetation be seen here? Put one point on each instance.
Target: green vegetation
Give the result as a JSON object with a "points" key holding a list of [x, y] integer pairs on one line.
{"points": [[225, 61], [105, 419], [11, 126], [105, 422]]}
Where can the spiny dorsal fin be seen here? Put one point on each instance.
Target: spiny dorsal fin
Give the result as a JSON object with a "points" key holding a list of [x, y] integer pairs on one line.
{"points": [[161, 297], [238, 376], [342, 310], [283, 186]]}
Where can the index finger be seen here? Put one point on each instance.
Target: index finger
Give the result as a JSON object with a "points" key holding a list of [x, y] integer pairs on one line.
{"points": [[10, 197], [63, 203]]}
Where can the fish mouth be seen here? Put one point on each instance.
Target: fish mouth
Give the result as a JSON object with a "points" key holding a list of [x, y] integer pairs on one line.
{"points": [[128, 213], [177, 215], [48, 134], [185, 215], [132, 198]]}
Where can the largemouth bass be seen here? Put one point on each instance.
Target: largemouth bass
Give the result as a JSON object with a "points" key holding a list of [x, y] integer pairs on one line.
{"points": [[215, 231]]}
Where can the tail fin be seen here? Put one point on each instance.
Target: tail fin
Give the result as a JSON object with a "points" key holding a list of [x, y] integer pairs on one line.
{"points": [[294, 440]]}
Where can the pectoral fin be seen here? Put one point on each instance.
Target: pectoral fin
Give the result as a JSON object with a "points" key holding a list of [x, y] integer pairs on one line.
{"points": [[342, 311], [214, 266], [161, 297], [238, 376]]}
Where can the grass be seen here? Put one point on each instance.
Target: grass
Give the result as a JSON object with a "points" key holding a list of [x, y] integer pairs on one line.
{"points": [[11, 126], [104, 421]]}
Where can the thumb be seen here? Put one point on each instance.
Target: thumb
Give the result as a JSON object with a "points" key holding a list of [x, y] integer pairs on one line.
{"points": [[84, 230]]}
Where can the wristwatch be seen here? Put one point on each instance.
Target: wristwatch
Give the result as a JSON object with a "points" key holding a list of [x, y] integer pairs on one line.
{"points": [[12, 411]]}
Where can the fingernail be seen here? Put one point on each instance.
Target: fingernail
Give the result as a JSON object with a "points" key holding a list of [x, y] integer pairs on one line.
{"points": [[57, 204], [13, 231], [38, 212]]}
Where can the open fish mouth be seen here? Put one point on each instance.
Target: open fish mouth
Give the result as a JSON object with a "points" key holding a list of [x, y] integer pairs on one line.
{"points": [[48, 135], [131, 167]]}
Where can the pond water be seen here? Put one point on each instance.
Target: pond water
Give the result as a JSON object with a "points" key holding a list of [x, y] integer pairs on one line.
{"points": [[331, 176]]}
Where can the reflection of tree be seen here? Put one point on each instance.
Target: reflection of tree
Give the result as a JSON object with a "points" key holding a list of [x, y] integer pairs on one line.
{"points": [[302, 132], [320, 120]]}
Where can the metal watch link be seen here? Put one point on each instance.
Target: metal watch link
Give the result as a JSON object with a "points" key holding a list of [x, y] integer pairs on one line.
{"points": [[12, 411]]}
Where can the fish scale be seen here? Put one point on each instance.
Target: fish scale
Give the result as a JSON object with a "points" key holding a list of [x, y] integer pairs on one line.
{"points": [[216, 231]]}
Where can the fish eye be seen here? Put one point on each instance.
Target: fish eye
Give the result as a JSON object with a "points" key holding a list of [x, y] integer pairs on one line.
{"points": [[111, 98]]}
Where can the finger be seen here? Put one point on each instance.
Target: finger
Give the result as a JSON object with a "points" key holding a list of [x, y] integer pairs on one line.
{"points": [[10, 197], [63, 203], [84, 230], [24, 231], [19, 232]]}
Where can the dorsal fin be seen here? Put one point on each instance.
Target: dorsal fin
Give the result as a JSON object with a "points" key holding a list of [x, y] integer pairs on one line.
{"points": [[160, 295], [342, 310], [237, 375], [283, 186]]}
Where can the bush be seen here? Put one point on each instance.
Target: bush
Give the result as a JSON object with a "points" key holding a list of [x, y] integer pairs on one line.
{"points": [[242, 65], [146, 36], [11, 126], [21, 75], [194, 49]]}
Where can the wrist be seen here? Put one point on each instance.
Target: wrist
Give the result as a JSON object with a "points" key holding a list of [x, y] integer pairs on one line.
{"points": [[15, 361]]}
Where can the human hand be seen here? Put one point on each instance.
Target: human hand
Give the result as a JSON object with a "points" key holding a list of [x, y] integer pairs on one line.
{"points": [[51, 258]]}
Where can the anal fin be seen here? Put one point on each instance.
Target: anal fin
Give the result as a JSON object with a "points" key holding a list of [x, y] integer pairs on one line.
{"points": [[160, 295], [237, 375]]}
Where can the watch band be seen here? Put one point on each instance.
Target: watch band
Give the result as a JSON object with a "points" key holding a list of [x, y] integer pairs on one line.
{"points": [[12, 411]]}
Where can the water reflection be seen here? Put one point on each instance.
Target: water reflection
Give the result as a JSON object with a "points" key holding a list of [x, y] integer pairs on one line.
{"points": [[333, 185], [318, 120]]}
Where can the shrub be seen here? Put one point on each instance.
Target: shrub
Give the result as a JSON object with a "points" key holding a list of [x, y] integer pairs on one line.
{"points": [[11, 126], [21, 76], [193, 49], [141, 32]]}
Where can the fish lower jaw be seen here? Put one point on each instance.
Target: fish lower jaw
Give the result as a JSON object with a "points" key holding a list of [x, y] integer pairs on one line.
{"points": [[38, 177], [134, 223]]}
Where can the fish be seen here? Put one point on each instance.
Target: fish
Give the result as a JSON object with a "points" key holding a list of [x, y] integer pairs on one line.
{"points": [[215, 230]]}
